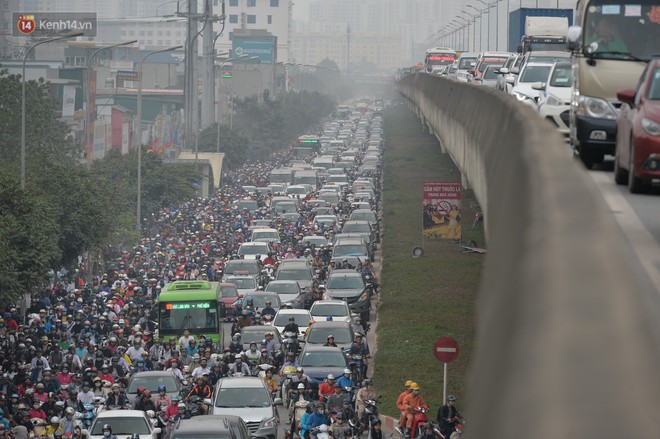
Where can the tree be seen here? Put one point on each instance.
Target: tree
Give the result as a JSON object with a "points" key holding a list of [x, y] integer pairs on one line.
{"points": [[46, 138], [29, 239]]}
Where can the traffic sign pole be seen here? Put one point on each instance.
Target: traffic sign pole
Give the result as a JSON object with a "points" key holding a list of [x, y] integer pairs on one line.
{"points": [[446, 350]]}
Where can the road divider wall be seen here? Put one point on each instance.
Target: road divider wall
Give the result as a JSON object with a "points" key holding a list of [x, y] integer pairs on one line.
{"points": [[568, 330]]}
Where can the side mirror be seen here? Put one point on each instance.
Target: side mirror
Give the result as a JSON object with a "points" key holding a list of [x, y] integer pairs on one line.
{"points": [[504, 71], [278, 401], [627, 96], [156, 431], [573, 37], [478, 79], [510, 80], [471, 71], [538, 86], [515, 70], [208, 401], [84, 432]]}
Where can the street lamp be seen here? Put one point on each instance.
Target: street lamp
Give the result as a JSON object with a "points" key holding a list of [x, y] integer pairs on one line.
{"points": [[465, 25], [474, 29], [488, 6], [27, 53], [139, 131], [481, 22], [87, 112]]}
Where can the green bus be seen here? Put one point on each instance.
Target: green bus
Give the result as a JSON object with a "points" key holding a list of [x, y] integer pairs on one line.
{"points": [[193, 305]]}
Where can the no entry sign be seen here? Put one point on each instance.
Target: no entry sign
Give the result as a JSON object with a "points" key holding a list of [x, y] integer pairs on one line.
{"points": [[446, 349]]}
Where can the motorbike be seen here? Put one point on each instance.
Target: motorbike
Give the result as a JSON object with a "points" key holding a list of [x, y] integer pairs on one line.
{"points": [[358, 366], [195, 405], [419, 420], [299, 409], [370, 414], [88, 414], [321, 432], [290, 342]]}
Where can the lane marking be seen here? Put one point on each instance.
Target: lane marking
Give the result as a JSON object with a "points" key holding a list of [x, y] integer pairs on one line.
{"points": [[446, 349], [644, 244]]}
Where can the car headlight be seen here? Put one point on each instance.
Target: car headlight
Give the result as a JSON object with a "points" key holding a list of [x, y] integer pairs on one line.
{"points": [[520, 96], [554, 101], [267, 423], [651, 127], [595, 107]]}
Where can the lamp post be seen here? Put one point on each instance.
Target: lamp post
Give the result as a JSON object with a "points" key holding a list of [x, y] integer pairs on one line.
{"points": [[139, 132], [473, 18], [466, 32], [87, 111], [481, 22], [27, 53]]}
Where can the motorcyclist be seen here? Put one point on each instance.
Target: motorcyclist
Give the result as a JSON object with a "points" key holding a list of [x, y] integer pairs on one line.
{"points": [[330, 341], [426, 432], [270, 382], [172, 410], [174, 368], [340, 429], [335, 401], [202, 390], [300, 378], [318, 418], [345, 380], [68, 423], [202, 369], [327, 388], [358, 347], [144, 402], [253, 353], [116, 399], [365, 393], [271, 345], [376, 432], [245, 320], [292, 326], [448, 416], [411, 403], [183, 411], [401, 407], [163, 399], [268, 310], [235, 346], [3, 420], [107, 432], [239, 368]]}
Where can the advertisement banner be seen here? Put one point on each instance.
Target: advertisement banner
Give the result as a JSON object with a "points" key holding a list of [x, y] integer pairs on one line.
{"points": [[442, 210], [38, 24], [251, 47], [68, 100]]}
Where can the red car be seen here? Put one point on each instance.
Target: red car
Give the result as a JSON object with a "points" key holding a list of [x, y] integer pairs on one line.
{"points": [[637, 160], [229, 295]]}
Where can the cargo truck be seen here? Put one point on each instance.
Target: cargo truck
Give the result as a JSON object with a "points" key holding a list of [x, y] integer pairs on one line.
{"points": [[539, 29]]}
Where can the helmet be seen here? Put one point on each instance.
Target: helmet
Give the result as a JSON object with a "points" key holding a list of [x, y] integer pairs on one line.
{"points": [[340, 415], [299, 369], [415, 386], [328, 318], [54, 420], [451, 398], [176, 398], [331, 337], [181, 406], [367, 382], [238, 357], [323, 428], [107, 427], [331, 377], [147, 393], [408, 383], [70, 411], [162, 388], [301, 386], [347, 371]]}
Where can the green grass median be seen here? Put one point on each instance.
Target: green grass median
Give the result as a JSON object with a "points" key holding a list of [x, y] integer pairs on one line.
{"points": [[424, 298]]}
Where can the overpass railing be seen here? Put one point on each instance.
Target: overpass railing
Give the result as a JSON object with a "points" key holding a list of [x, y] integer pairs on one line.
{"points": [[567, 328]]}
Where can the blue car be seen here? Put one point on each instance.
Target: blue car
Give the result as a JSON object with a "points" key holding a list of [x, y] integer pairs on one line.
{"points": [[320, 361]]}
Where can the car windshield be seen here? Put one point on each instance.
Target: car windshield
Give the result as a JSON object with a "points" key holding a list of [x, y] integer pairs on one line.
{"points": [[356, 228], [294, 274], [535, 74], [232, 267], [466, 63], [152, 382], [122, 426], [283, 288], [622, 30], [265, 234], [561, 76], [363, 216], [242, 397], [227, 291], [244, 282], [341, 282], [329, 358], [329, 309], [348, 250], [319, 335], [260, 301], [654, 87], [491, 62], [257, 337], [300, 319], [253, 249]]}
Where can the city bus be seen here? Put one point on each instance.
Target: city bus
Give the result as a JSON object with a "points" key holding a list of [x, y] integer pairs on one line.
{"points": [[307, 145], [438, 58], [193, 305]]}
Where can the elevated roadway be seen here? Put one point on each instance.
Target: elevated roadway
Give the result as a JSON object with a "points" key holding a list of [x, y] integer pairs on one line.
{"points": [[568, 337]]}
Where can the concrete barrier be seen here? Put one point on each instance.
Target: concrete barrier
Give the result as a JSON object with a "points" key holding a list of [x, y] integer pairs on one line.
{"points": [[568, 340]]}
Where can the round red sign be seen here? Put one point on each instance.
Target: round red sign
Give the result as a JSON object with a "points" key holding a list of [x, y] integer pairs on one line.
{"points": [[446, 349]]}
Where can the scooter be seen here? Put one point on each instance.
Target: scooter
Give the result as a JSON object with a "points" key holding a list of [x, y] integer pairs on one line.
{"points": [[419, 420], [321, 432]]}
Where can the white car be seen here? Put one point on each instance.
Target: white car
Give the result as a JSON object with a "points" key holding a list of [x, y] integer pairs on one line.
{"points": [[530, 74], [124, 423], [301, 317], [555, 96], [466, 62], [338, 309], [250, 250]]}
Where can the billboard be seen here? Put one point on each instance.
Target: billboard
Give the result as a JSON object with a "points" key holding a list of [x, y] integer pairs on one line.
{"points": [[53, 24], [264, 49], [442, 210]]}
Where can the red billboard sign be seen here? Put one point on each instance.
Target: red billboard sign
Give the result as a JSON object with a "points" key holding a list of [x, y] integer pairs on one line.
{"points": [[442, 209]]}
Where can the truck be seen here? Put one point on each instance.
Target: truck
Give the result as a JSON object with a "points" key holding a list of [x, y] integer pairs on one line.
{"points": [[534, 29]]}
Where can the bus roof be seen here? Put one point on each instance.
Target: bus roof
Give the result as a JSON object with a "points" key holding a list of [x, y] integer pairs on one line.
{"points": [[184, 290]]}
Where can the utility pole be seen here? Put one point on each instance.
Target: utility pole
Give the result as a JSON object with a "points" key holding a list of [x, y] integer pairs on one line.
{"points": [[348, 49], [190, 72], [208, 77]]}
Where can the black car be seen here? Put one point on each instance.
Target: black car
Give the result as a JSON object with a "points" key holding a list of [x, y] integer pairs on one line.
{"points": [[212, 426], [349, 285]]}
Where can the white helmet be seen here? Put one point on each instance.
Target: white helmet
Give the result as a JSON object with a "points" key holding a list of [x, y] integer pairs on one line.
{"points": [[70, 411], [54, 420]]}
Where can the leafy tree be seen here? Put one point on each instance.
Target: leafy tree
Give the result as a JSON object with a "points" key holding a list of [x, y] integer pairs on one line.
{"points": [[29, 238], [46, 137]]}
